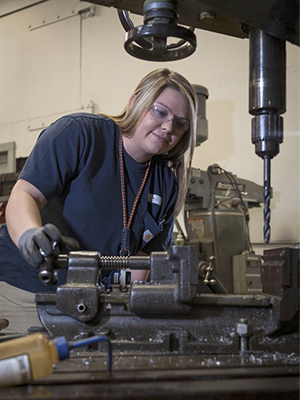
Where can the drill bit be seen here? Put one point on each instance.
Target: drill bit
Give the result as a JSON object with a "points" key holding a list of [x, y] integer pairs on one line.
{"points": [[267, 198]]}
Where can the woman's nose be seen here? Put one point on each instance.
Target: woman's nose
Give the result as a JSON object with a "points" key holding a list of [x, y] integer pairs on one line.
{"points": [[168, 125]]}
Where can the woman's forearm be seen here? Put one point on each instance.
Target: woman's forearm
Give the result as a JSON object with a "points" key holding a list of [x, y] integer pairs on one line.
{"points": [[23, 209]]}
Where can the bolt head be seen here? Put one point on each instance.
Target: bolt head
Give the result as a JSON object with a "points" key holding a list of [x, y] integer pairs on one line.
{"points": [[244, 329]]}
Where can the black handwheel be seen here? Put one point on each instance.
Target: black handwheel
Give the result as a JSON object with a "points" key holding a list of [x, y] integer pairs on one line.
{"points": [[149, 41]]}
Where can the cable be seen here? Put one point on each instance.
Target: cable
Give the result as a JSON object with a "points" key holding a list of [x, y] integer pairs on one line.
{"points": [[213, 215]]}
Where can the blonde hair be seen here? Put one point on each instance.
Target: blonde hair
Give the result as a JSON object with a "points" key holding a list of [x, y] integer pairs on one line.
{"points": [[151, 86]]}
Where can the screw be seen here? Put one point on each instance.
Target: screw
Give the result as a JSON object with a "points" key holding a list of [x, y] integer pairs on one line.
{"points": [[235, 204]]}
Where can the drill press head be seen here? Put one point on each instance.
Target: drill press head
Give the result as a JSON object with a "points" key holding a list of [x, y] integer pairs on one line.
{"points": [[267, 100]]}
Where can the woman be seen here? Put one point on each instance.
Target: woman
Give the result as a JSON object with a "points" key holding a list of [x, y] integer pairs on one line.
{"points": [[114, 183]]}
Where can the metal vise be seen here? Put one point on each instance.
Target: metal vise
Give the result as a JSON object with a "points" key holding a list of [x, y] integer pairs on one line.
{"points": [[167, 313], [171, 290]]}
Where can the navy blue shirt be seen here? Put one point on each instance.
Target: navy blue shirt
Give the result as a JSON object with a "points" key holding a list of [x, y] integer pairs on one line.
{"points": [[75, 165]]}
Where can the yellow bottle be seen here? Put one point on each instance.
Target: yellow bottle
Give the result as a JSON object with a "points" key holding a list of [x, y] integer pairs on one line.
{"points": [[28, 358]]}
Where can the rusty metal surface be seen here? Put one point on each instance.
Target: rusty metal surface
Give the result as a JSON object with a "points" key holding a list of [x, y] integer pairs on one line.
{"points": [[209, 329], [279, 18], [136, 376], [167, 313], [224, 347]]}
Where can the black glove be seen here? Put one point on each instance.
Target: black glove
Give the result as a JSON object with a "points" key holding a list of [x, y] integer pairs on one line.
{"points": [[37, 243]]}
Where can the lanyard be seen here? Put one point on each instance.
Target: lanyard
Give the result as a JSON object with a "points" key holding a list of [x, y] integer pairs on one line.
{"points": [[126, 224]]}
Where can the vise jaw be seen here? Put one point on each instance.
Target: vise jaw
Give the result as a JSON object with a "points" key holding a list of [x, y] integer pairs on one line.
{"points": [[79, 297], [172, 286]]}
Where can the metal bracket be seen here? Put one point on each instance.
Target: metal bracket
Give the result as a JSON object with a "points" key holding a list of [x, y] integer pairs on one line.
{"points": [[82, 9]]}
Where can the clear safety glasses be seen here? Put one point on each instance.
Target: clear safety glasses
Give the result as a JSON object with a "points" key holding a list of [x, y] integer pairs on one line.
{"points": [[163, 115]]}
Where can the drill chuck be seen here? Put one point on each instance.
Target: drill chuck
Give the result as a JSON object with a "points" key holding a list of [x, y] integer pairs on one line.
{"points": [[267, 134]]}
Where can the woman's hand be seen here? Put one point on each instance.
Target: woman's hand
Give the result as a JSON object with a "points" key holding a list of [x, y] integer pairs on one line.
{"points": [[37, 243]]}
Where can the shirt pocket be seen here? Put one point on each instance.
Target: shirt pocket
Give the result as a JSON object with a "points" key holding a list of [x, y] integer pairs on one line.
{"points": [[143, 230], [151, 228]]}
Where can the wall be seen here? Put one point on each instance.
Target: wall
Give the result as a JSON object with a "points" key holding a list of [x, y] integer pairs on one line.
{"points": [[55, 59]]}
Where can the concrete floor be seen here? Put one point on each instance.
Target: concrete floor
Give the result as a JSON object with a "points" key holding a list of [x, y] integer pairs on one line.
{"points": [[18, 307]]}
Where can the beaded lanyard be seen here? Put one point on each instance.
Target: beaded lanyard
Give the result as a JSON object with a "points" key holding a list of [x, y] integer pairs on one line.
{"points": [[126, 224]]}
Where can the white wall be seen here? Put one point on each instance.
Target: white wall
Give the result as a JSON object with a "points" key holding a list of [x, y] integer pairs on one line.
{"points": [[74, 63]]}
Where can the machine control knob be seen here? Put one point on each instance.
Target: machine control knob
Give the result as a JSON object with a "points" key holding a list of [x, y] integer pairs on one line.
{"points": [[206, 270], [149, 41]]}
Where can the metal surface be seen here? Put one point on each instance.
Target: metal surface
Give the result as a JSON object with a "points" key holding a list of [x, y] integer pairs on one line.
{"points": [[158, 35], [164, 377], [267, 101], [150, 41], [166, 314], [222, 347], [279, 18], [246, 273], [216, 217], [202, 124]]}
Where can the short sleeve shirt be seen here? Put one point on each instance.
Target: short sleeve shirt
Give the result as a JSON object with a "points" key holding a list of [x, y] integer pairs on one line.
{"points": [[75, 165]]}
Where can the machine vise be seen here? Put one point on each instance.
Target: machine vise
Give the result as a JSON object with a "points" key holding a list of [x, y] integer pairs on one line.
{"points": [[167, 313]]}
